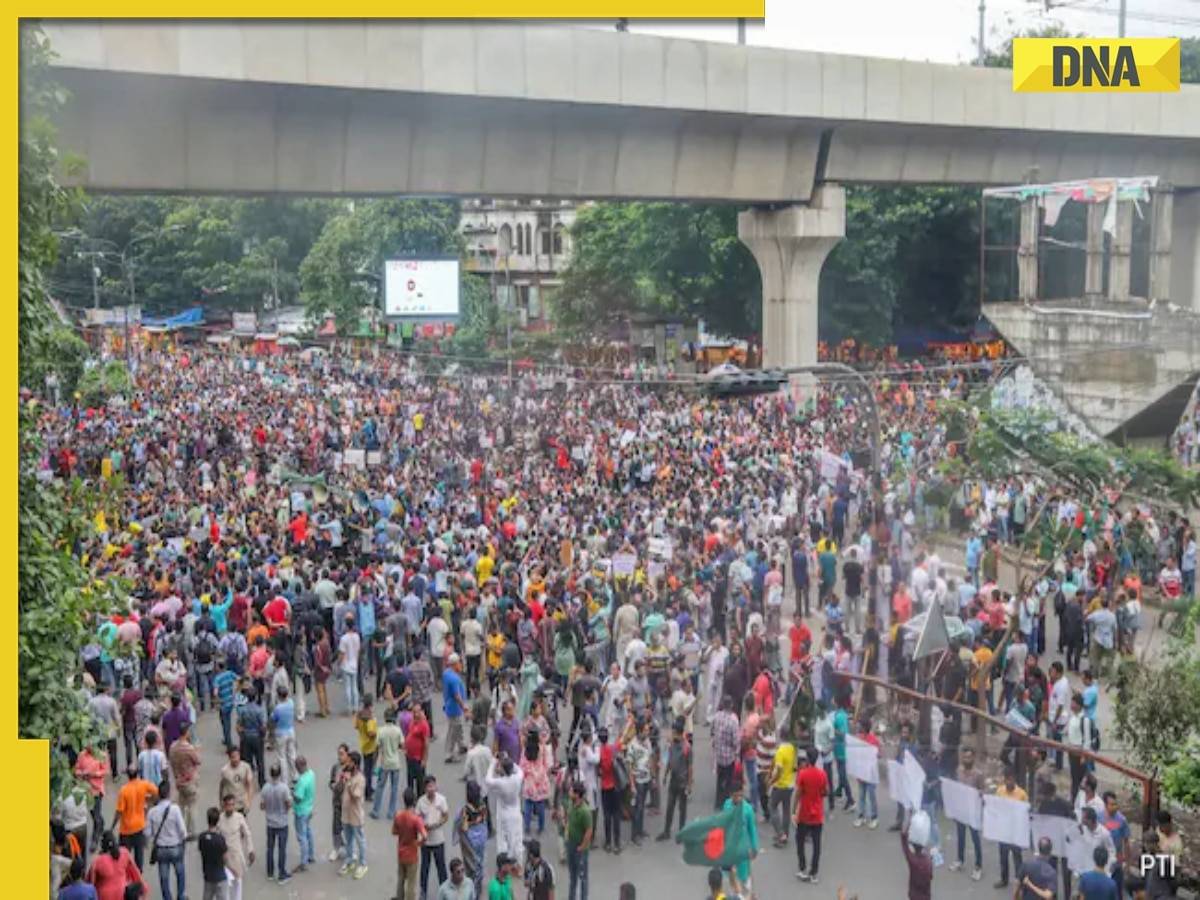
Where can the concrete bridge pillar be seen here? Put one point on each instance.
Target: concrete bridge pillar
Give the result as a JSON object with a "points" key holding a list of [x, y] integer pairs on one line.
{"points": [[1027, 251], [1185, 250], [1093, 273], [790, 246], [1120, 265]]}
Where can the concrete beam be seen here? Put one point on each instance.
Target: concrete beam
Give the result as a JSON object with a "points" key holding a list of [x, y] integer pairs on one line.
{"points": [[535, 61], [790, 246], [139, 133]]}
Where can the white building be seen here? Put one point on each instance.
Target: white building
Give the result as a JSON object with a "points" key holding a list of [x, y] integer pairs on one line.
{"points": [[521, 247]]}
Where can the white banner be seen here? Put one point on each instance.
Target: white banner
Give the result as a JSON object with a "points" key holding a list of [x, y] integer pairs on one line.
{"points": [[660, 547], [624, 563], [914, 781], [897, 784], [1053, 827], [963, 803], [1006, 821], [862, 760]]}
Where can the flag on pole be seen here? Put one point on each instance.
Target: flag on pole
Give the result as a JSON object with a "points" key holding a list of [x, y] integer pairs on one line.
{"points": [[719, 840], [934, 635]]}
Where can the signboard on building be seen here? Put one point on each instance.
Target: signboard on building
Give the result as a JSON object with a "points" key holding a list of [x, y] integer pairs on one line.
{"points": [[421, 288], [245, 323]]}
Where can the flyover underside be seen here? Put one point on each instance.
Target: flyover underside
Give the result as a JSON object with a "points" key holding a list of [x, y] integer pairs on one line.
{"points": [[139, 132], [907, 154], [154, 133]]}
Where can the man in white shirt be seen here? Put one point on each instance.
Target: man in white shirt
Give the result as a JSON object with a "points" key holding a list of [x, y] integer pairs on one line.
{"points": [[479, 757], [434, 811], [1060, 706], [348, 650], [715, 657], [1092, 835]]}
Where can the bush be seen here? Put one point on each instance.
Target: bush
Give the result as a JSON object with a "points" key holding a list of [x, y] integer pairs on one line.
{"points": [[59, 350], [103, 382]]}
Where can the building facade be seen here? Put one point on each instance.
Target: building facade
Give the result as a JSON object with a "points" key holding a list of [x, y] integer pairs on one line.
{"points": [[521, 247]]}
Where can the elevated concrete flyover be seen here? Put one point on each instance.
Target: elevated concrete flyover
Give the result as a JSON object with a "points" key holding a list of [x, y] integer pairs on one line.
{"points": [[366, 107], [427, 108]]}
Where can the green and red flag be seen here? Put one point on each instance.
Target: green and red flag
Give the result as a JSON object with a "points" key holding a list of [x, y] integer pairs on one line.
{"points": [[719, 840]]}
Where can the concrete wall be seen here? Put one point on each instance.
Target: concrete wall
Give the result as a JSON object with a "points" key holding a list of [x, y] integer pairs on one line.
{"points": [[496, 109], [1111, 363]]}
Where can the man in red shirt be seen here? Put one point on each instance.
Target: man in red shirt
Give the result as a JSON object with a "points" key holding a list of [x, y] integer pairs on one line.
{"points": [[416, 750], [798, 635], [764, 698], [277, 611], [409, 829], [808, 811], [610, 797]]}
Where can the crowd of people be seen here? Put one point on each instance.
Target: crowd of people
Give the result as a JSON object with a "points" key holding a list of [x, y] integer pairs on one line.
{"points": [[566, 585]]}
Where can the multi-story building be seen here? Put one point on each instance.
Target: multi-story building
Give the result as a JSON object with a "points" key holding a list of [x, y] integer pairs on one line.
{"points": [[521, 247]]}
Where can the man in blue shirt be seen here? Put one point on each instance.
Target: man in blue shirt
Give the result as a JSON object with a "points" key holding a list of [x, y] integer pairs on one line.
{"points": [[454, 700], [1118, 829], [1096, 884], [283, 717], [224, 684]]}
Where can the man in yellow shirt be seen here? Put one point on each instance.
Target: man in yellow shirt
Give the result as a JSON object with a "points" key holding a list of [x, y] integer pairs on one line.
{"points": [[483, 569], [1010, 790], [368, 741], [783, 776]]}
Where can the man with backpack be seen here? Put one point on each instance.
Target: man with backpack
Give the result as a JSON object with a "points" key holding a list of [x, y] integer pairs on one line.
{"points": [[204, 652]]}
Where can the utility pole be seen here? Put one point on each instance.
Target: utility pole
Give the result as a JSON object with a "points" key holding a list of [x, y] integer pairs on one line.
{"points": [[95, 284], [1121, 20], [982, 53], [508, 308], [741, 32]]}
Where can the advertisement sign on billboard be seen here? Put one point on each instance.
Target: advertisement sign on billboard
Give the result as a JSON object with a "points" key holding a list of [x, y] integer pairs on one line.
{"points": [[421, 288]]}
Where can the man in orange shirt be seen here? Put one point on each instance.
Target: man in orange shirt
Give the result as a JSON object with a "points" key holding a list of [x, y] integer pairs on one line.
{"points": [[131, 813]]}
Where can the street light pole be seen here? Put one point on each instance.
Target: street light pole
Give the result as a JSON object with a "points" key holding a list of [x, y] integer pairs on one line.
{"points": [[865, 387]]}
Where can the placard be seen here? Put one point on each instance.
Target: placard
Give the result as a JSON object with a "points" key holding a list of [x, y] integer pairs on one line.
{"points": [[374, 457], [895, 783], [914, 781], [624, 563], [355, 459], [655, 569], [963, 803], [1053, 827], [862, 760], [1006, 821], [660, 547]]}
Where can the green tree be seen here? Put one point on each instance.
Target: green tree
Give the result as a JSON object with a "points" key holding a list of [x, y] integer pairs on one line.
{"points": [[226, 253], [667, 259], [44, 342], [342, 271], [56, 595]]}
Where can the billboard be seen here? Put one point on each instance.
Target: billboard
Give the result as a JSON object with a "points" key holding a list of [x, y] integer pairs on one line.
{"points": [[421, 288]]}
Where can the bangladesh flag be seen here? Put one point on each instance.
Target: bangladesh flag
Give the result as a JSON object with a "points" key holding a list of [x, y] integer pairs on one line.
{"points": [[720, 840]]}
